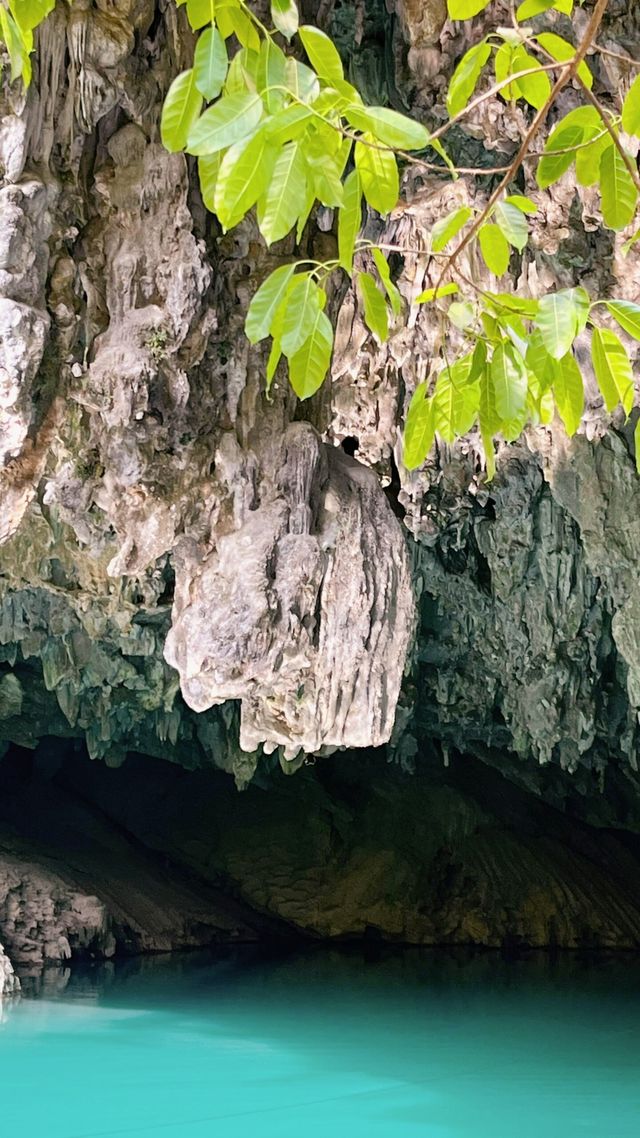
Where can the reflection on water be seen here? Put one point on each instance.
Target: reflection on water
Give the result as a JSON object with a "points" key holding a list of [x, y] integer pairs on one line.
{"points": [[328, 1043]]}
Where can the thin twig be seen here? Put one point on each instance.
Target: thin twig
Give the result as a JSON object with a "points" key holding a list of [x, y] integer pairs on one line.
{"points": [[616, 55]]}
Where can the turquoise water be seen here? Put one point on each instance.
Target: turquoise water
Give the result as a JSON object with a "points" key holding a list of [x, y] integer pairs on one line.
{"points": [[326, 1044]]}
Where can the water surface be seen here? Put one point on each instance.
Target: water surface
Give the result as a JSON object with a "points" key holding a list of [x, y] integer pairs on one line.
{"points": [[338, 1045]]}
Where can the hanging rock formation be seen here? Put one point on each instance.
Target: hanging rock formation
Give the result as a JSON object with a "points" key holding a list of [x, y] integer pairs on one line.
{"points": [[192, 572]]}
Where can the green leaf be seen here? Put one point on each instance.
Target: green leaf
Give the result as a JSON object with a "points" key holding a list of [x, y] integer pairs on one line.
{"points": [[322, 168], [568, 392], [242, 178], [302, 81], [520, 304], [535, 89], [266, 303], [582, 305], [200, 12], [419, 431], [588, 157], [378, 174], [309, 366], [465, 77], [382, 266], [530, 8], [287, 124], [465, 9], [272, 73], [627, 314], [180, 111], [322, 53], [455, 401], [619, 193], [301, 303], [559, 49], [208, 170], [631, 109], [509, 376], [446, 229], [495, 249], [242, 75], [540, 363], [230, 120], [279, 207], [430, 293], [375, 309], [16, 46], [613, 369], [525, 205], [210, 63], [242, 25], [284, 14], [349, 220], [28, 14], [576, 128], [390, 127], [513, 224], [461, 314], [503, 66], [557, 322]]}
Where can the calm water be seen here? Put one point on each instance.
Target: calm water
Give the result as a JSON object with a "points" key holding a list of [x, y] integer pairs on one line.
{"points": [[326, 1044]]}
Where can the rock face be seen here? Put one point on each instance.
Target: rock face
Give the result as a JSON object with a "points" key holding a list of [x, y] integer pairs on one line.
{"points": [[191, 571], [9, 982]]}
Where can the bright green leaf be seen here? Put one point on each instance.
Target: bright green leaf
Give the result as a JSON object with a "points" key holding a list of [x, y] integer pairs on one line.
{"points": [[200, 12], [525, 205], [266, 302], [419, 430], [619, 193], [430, 293], [627, 314], [465, 77], [284, 14], [494, 248], [349, 220], [279, 207], [243, 176], [322, 53], [395, 300], [461, 314], [230, 120], [378, 171], [557, 322], [613, 369], [390, 127], [208, 170], [309, 366], [536, 88], [513, 224], [210, 63], [375, 309], [272, 74], [559, 49], [465, 9], [509, 376], [631, 109], [446, 229], [301, 303], [568, 391], [180, 111], [302, 81]]}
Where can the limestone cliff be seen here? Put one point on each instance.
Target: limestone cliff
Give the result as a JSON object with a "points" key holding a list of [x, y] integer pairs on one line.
{"points": [[198, 574]]}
